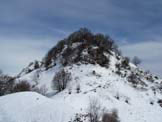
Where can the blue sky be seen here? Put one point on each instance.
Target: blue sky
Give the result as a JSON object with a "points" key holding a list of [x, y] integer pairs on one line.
{"points": [[29, 28]]}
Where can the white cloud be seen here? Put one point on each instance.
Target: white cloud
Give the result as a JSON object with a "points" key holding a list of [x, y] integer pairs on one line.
{"points": [[16, 54], [149, 52]]}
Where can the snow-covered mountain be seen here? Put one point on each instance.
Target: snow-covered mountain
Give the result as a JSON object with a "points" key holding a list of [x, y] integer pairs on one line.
{"points": [[97, 71]]}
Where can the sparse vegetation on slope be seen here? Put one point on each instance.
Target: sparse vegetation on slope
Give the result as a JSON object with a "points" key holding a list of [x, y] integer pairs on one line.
{"points": [[93, 44]]}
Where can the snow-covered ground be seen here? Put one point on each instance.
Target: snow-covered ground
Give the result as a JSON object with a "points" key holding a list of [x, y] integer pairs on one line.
{"points": [[33, 107], [133, 104]]}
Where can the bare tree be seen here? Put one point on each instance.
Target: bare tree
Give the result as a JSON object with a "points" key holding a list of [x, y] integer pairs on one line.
{"points": [[136, 60], [94, 110], [22, 86], [60, 80], [6, 84]]}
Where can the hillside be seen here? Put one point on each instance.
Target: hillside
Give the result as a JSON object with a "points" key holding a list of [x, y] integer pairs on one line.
{"points": [[91, 67]]}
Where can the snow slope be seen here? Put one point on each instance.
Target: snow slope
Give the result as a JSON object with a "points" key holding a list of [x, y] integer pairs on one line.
{"points": [[133, 104], [32, 107]]}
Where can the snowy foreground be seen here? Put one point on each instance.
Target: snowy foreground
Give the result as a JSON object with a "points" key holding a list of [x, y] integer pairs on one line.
{"points": [[32, 107], [133, 104]]}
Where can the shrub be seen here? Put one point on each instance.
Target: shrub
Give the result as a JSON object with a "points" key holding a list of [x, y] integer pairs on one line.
{"points": [[67, 56], [156, 77], [118, 72], [125, 62], [78, 118], [60, 80], [52, 53], [22, 86], [78, 88], [81, 35], [69, 90], [94, 72], [160, 102], [117, 65], [117, 96], [97, 56], [6, 84], [103, 41], [150, 78], [111, 117], [133, 79]]}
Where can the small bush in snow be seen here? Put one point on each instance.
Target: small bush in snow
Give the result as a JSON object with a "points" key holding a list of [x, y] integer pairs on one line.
{"points": [[94, 72], [127, 101], [150, 78], [125, 62], [78, 118], [118, 67], [160, 102], [151, 102], [78, 88], [69, 90], [111, 117], [60, 80], [132, 78], [118, 72], [156, 77], [22, 86], [117, 96]]}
